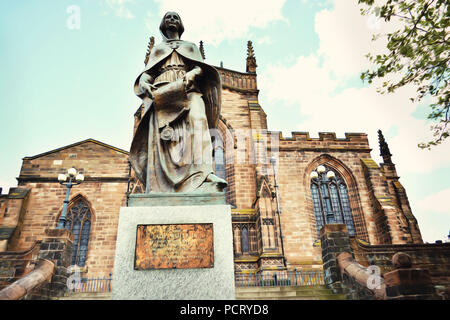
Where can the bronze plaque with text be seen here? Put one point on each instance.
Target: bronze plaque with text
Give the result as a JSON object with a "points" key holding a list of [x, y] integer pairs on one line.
{"points": [[174, 246]]}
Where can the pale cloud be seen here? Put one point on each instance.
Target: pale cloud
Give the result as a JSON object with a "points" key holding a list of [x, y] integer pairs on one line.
{"points": [[119, 8], [5, 185], [433, 216], [149, 21], [289, 82], [214, 22], [346, 37], [313, 83], [433, 203], [264, 40]]}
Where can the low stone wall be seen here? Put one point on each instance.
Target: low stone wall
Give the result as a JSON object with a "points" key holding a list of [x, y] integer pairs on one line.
{"points": [[408, 271], [432, 257], [16, 264], [36, 278], [48, 279], [408, 283], [357, 280]]}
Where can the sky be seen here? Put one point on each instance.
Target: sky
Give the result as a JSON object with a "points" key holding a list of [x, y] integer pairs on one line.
{"points": [[68, 69]]}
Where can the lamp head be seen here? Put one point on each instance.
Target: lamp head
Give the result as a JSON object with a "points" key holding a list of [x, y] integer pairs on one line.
{"points": [[79, 178], [72, 172], [331, 175], [321, 169]]}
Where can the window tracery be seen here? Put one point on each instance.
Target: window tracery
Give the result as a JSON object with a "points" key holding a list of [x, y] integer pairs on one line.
{"points": [[330, 199], [79, 223]]}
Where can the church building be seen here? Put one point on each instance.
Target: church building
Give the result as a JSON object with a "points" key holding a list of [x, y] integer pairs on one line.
{"points": [[282, 190]]}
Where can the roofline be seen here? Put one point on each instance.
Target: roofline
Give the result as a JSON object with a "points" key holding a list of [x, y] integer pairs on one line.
{"points": [[76, 144], [235, 71]]}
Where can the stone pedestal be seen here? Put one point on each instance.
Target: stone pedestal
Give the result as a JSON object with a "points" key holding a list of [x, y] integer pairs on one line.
{"points": [[56, 246], [334, 240], [171, 270]]}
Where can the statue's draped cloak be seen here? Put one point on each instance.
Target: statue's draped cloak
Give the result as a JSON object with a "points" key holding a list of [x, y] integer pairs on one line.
{"points": [[183, 164]]}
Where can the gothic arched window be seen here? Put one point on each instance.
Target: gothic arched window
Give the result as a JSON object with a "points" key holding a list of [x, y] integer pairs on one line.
{"points": [[219, 162], [330, 199], [218, 154], [79, 223], [244, 239]]}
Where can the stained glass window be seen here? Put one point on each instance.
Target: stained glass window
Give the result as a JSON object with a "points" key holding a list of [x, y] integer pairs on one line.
{"points": [[244, 239], [79, 223], [219, 162], [330, 200], [318, 212]]}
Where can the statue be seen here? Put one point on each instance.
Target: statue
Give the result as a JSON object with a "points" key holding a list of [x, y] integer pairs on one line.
{"points": [[171, 150]]}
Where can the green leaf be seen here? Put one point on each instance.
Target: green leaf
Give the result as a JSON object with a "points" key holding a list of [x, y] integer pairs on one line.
{"points": [[419, 51]]}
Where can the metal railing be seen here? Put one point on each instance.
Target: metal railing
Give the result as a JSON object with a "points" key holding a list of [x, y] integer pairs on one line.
{"points": [[92, 284], [280, 279], [258, 279]]}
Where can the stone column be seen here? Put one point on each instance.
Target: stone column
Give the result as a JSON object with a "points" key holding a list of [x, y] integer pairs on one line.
{"points": [[57, 247], [334, 240]]}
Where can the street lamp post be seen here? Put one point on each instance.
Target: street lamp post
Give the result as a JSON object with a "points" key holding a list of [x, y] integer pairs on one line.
{"points": [[73, 180], [273, 161]]}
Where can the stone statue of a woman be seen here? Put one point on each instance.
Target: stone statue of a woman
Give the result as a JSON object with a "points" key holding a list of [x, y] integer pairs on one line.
{"points": [[171, 149]]}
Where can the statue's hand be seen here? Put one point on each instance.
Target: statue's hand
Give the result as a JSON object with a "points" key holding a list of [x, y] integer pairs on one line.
{"points": [[191, 76], [145, 82], [148, 89]]}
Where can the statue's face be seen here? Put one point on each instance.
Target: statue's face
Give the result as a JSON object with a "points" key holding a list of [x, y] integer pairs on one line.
{"points": [[172, 21]]}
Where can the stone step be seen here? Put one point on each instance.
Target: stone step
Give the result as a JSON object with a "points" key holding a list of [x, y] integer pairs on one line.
{"points": [[283, 293], [288, 293], [86, 296], [319, 297], [281, 289], [253, 293]]}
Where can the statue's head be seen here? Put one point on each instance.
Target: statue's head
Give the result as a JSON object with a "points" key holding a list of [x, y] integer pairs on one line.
{"points": [[171, 21]]}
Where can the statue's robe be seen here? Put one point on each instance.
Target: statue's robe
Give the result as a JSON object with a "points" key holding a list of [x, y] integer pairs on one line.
{"points": [[184, 163]]}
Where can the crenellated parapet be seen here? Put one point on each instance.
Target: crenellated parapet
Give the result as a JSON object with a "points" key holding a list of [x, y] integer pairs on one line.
{"points": [[238, 81], [327, 141], [325, 136]]}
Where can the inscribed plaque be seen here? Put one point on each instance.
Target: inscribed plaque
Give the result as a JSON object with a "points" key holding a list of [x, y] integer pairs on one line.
{"points": [[174, 246]]}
